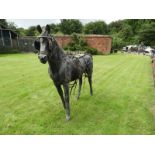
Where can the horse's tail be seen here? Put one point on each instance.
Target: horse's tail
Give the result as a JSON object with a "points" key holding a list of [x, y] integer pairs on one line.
{"points": [[89, 64]]}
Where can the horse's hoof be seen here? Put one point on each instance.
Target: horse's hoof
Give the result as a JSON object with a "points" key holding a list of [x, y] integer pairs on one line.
{"points": [[67, 118]]}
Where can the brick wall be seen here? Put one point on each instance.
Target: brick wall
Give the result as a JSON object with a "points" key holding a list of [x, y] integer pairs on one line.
{"points": [[63, 40], [101, 42]]}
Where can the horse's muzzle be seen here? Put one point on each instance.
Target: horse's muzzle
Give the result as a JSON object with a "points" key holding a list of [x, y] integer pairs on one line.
{"points": [[42, 58]]}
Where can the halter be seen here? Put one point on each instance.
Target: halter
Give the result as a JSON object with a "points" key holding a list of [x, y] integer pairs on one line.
{"points": [[48, 37], [37, 42]]}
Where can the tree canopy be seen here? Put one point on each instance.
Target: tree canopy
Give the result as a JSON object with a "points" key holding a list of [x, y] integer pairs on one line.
{"points": [[132, 31], [55, 28], [3, 23], [123, 32], [69, 26], [98, 27], [31, 31], [147, 34]]}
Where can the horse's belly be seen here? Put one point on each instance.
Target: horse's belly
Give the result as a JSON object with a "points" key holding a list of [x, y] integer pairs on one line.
{"points": [[76, 74]]}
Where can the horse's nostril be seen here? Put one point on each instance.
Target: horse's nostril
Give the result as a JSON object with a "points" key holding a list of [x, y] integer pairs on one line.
{"points": [[44, 57]]}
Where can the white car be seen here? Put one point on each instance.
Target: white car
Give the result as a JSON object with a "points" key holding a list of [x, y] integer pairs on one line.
{"points": [[124, 49], [148, 51]]}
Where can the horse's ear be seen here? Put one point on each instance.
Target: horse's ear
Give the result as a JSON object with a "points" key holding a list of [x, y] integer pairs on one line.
{"points": [[48, 29], [39, 28], [37, 45]]}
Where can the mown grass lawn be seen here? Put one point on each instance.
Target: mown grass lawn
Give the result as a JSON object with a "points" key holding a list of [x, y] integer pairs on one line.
{"points": [[123, 101]]}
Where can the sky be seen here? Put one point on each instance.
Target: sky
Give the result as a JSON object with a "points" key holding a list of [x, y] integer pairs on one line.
{"points": [[25, 23]]}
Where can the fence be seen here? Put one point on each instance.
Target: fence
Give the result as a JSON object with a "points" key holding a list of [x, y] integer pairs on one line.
{"points": [[100, 42], [24, 44]]}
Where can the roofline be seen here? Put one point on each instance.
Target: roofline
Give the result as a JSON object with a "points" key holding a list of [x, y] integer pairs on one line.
{"points": [[91, 35], [9, 30]]}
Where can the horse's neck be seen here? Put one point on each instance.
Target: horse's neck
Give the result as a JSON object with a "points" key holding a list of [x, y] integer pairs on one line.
{"points": [[56, 57]]}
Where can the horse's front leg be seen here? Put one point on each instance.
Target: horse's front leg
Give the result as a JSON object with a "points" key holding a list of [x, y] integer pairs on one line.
{"points": [[59, 89], [66, 92]]}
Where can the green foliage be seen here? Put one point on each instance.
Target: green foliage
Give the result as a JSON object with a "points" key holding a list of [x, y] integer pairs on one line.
{"points": [[31, 31], [79, 44], [117, 41], [12, 26], [98, 27], [147, 34], [132, 31], [3, 23], [21, 31], [69, 26], [92, 51], [78, 39], [115, 27], [126, 32], [55, 28]]}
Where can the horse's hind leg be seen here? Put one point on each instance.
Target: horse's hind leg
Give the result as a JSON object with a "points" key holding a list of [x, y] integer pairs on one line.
{"points": [[66, 91], [79, 90], [90, 84], [59, 89]]}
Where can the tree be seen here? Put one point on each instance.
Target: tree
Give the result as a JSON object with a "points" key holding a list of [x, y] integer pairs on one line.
{"points": [[31, 31], [147, 34], [115, 27], [12, 25], [55, 28], [117, 41], [126, 32], [69, 26], [98, 27], [21, 31], [3, 23]]}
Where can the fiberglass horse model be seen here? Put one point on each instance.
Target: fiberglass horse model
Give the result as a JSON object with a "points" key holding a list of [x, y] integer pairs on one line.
{"points": [[62, 68]]}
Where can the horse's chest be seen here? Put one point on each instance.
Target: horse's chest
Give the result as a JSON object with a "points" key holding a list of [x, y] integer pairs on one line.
{"points": [[68, 71], [59, 77]]}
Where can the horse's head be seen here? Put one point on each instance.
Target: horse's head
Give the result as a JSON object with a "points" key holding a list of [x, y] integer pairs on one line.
{"points": [[43, 43]]}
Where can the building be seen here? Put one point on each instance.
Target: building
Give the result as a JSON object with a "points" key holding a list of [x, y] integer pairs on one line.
{"points": [[8, 38]]}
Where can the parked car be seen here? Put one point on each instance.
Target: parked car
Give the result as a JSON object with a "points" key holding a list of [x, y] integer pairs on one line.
{"points": [[148, 51], [152, 53], [125, 49]]}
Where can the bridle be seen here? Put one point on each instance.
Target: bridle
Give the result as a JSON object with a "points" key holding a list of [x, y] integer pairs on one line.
{"points": [[50, 40]]}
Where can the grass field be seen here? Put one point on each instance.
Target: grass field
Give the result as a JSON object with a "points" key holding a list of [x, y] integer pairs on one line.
{"points": [[123, 101]]}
